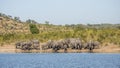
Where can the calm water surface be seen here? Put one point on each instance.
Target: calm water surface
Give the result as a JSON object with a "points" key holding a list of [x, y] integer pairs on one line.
{"points": [[60, 60]]}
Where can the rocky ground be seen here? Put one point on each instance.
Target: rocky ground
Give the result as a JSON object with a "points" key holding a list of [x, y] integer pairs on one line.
{"points": [[104, 49]]}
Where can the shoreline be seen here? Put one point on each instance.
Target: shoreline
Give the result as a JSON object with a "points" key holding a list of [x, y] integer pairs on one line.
{"points": [[105, 49]]}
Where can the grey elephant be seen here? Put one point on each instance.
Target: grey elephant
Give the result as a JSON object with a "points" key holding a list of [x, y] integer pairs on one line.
{"points": [[26, 46], [55, 46], [18, 45], [62, 44], [35, 44], [48, 44], [78, 44], [96, 45], [74, 43], [23, 45], [66, 42], [91, 45]]}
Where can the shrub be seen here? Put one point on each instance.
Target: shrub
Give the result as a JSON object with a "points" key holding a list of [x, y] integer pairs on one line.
{"points": [[33, 29]]}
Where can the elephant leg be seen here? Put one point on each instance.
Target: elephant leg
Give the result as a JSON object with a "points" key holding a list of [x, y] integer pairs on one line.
{"points": [[65, 50], [56, 49], [76, 46], [23, 47], [29, 48], [80, 47], [91, 48], [17, 47]]}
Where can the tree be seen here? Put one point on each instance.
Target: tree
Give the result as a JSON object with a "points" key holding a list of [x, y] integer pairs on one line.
{"points": [[31, 21], [28, 21], [33, 29], [47, 22], [17, 19], [9, 16]]}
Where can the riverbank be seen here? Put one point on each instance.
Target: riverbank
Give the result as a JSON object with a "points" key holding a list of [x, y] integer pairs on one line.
{"points": [[104, 49]]}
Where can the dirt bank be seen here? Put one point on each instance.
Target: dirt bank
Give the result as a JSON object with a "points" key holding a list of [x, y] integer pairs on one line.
{"points": [[104, 49]]}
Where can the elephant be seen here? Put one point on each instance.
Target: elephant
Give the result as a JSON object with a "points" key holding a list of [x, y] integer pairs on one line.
{"points": [[74, 43], [18, 45], [55, 46], [78, 44], [91, 45], [26, 46], [23, 45], [96, 45], [44, 46], [33, 44], [65, 48], [63, 44], [67, 42], [48, 45], [36, 44], [60, 44]]}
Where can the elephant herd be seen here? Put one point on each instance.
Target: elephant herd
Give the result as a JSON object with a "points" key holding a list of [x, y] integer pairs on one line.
{"points": [[71, 43], [34, 44]]}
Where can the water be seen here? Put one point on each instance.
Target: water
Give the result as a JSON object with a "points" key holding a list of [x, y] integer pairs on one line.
{"points": [[60, 60]]}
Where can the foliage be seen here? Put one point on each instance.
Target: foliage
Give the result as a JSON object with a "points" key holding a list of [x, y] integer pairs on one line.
{"points": [[33, 29], [104, 33], [31, 21], [17, 19]]}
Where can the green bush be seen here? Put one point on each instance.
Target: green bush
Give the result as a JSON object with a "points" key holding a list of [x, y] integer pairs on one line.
{"points": [[33, 29]]}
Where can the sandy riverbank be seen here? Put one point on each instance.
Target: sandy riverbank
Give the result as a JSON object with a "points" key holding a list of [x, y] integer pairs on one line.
{"points": [[104, 49]]}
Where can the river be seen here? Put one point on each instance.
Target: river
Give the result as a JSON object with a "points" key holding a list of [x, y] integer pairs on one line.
{"points": [[59, 60]]}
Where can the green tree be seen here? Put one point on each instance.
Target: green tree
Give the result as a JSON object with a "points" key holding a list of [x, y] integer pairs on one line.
{"points": [[34, 29]]}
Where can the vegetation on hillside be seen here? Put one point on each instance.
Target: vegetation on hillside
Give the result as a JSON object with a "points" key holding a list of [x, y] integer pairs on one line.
{"points": [[13, 30], [33, 29]]}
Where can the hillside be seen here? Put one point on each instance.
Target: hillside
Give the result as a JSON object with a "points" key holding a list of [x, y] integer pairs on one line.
{"points": [[11, 26], [13, 30]]}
